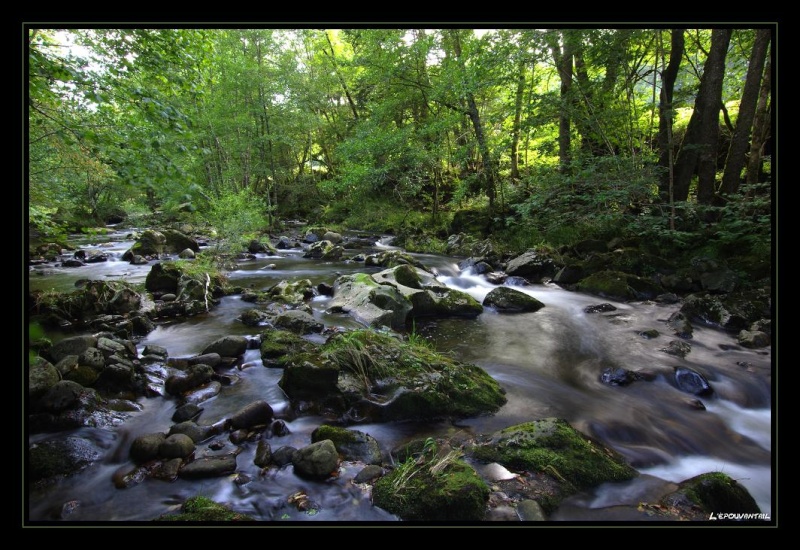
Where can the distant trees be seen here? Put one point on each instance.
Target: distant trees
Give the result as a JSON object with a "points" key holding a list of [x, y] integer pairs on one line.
{"points": [[604, 122]]}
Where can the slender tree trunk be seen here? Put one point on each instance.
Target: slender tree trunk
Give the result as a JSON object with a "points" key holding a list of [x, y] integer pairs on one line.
{"points": [[346, 90], [698, 152], [761, 128], [515, 130], [740, 142], [477, 126], [563, 57], [666, 114]]}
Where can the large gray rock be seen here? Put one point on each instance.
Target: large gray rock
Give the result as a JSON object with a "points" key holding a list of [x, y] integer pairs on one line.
{"points": [[368, 302], [324, 250], [254, 414], [505, 299], [263, 456], [194, 376], [125, 300], [176, 446], [149, 243], [145, 447], [163, 277], [176, 241], [192, 430], [56, 458], [353, 445], [210, 466], [753, 339], [92, 357], [71, 346], [227, 346], [42, 376], [61, 396], [532, 265], [691, 381], [203, 393], [318, 460], [298, 321], [111, 347]]}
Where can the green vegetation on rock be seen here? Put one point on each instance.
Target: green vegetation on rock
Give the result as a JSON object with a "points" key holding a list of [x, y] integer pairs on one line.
{"points": [[713, 492], [552, 446], [433, 486], [414, 381], [204, 510]]}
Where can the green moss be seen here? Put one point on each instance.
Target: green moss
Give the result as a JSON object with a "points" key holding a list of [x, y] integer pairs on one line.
{"points": [[335, 434], [460, 304], [203, 509], [278, 345], [419, 491], [608, 284], [554, 447], [419, 382], [718, 492]]}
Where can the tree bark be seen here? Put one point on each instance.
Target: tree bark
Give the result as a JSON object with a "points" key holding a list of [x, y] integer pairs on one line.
{"points": [[346, 90], [736, 160], [477, 126], [515, 130], [698, 154], [666, 114], [563, 57], [761, 128]]}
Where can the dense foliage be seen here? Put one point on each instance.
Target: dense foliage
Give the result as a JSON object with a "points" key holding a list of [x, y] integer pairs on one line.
{"points": [[547, 136]]}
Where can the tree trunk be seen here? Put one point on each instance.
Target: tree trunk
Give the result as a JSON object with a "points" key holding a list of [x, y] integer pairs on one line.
{"points": [[736, 160], [563, 60], [346, 90], [698, 152], [477, 126], [761, 128], [666, 114], [515, 130]]}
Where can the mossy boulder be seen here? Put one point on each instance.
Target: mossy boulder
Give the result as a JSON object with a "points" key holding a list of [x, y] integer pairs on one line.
{"points": [[163, 277], [292, 293], [732, 312], [317, 461], [553, 446], [380, 378], [533, 264], [434, 489], [204, 510], [712, 492], [309, 376], [61, 457], [391, 258], [178, 241], [149, 243], [369, 303], [42, 376], [391, 297], [298, 321], [400, 381], [277, 345], [616, 285], [509, 300], [324, 250]]}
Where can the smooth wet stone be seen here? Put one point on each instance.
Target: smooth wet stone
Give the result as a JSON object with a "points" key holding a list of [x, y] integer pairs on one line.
{"points": [[211, 466]]}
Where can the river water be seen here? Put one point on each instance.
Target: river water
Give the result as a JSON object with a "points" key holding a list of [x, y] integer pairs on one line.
{"points": [[550, 363]]}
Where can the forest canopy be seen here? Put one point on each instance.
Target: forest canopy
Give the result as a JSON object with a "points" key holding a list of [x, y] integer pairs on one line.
{"points": [[533, 135]]}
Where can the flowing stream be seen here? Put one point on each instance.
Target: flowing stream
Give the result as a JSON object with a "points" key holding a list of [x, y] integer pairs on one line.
{"points": [[550, 363]]}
